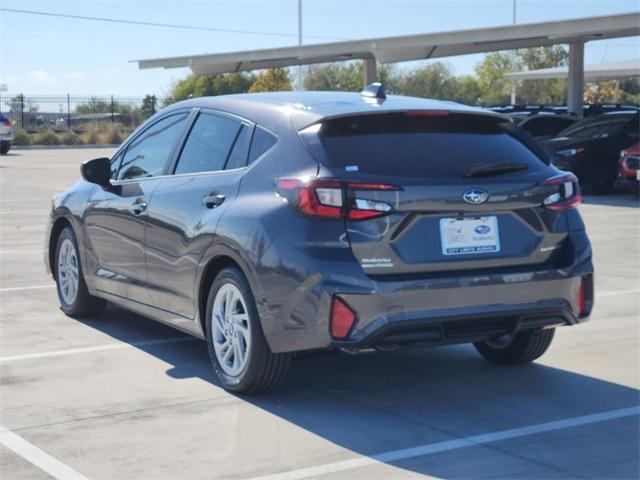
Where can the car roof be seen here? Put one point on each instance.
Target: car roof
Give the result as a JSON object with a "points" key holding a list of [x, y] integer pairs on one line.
{"points": [[306, 108]]}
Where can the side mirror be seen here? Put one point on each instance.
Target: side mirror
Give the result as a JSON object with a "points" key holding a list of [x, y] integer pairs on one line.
{"points": [[97, 171]]}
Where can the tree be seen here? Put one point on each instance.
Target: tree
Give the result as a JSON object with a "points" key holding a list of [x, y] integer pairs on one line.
{"points": [[148, 107], [495, 88], [430, 81], [272, 80], [210, 85], [346, 77], [467, 90], [602, 92], [542, 91]]}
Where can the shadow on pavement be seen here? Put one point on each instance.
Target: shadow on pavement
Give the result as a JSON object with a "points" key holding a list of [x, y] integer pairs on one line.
{"points": [[373, 403]]}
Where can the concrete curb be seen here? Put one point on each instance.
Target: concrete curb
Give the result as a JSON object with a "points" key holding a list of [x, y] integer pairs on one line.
{"points": [[61, 147]]}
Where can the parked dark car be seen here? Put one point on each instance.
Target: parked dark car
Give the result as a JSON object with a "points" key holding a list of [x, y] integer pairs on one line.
{"points": [[591, 147], [276, 223], [6, 134], [543, 126]]}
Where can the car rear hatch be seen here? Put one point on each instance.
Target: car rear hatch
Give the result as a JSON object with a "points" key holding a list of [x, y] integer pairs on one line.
{"points": [[452, 191]]}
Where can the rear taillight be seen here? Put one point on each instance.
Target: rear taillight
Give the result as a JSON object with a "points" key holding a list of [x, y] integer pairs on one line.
{"points": [[333, 199], [342, 319], [6, 123], [567, 194]]}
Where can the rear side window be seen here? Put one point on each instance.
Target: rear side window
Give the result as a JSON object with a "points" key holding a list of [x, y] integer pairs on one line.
{"points": [[261, 142], [208, 145], [147, 155], [238, 155], [424, 146]]}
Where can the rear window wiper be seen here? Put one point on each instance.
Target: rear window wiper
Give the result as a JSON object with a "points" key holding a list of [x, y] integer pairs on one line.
{"points": [[489, 169]]}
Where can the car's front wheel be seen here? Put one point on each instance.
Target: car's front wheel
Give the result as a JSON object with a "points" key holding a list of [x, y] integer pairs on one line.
{"points": [[5, 147], [75, 299], [520, 348], [238, 350]]}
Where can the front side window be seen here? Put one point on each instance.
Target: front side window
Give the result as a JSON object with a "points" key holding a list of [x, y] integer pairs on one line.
{"points": [[209, 144], [148, 154]]}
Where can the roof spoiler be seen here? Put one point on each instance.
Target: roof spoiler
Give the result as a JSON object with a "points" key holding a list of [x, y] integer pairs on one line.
{"points": [[374, 90]]}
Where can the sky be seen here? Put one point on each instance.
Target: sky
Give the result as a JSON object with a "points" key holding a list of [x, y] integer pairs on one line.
{"points": [[47, 55]]}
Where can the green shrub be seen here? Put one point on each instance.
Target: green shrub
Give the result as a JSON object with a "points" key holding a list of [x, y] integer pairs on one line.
{"points": [[46, 137], [112, 135], [70, 138], [90, 136], [20, 137]]}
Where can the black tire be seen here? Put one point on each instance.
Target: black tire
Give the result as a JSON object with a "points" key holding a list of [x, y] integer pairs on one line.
{"points": [[525, 347], [5, 147], [85, 304], [264, 370]]}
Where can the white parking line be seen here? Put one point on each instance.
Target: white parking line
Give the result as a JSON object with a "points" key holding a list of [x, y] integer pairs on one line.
{"points": [[431, 448], [97, 348], [37, 457], [27, 287]]}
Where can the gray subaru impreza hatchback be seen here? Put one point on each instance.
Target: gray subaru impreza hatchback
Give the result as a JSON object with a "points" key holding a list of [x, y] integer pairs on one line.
{"points": [[270, 224]]}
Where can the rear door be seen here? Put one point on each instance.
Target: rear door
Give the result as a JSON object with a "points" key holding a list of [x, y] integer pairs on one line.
{"points": [[187, 205], [467, 192]]}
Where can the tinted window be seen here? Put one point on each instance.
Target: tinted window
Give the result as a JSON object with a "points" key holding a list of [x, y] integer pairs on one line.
{"points": [[262, 141], [597, 127], [238, 156], [115, 165], [147, 155], [208, 144], [420, 146]]}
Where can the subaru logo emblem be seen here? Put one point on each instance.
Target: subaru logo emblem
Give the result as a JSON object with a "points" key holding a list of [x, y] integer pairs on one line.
{"points": [[482, 229], [475, 197]]}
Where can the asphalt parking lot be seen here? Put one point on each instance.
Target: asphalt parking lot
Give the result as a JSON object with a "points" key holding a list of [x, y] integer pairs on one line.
{"points": [[121, 396]]}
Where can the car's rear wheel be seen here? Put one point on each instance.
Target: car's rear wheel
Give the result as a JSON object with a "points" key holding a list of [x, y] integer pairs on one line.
{"points": [[5, 147], [238, 350], [75, 299], [517, 349]]}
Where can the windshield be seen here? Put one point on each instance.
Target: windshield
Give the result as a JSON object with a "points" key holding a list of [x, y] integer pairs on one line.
{"points": [[597, 127]]}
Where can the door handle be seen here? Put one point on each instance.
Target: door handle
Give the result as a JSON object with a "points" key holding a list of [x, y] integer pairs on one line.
{"points": [[213, 200], [139, 206]]}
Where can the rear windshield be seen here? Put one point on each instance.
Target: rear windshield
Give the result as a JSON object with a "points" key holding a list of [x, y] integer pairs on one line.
{"points": [[412, 145]]}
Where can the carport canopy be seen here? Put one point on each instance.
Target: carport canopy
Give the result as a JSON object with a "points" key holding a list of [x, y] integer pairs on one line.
{"points": [[574, 32], [599, 71]]}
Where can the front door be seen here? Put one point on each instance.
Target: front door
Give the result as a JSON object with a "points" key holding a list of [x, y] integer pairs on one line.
{"points": [[116, 217]]}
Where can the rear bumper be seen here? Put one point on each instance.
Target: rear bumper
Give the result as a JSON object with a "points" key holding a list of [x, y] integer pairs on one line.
{"points": [[466, 309]]}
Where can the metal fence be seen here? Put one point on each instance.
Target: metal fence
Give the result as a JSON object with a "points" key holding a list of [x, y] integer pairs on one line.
{"points": [[59, 113]]}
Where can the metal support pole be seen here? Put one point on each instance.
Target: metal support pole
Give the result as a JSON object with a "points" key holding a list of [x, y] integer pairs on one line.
{"points": [[576, 78], [69, 112], [370, 71], [300, 79], [22, 110], [112, 111]]}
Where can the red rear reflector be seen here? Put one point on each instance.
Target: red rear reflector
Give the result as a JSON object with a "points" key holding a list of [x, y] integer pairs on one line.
{"points": [[582, 306], [342, 319], [428, 113]]}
